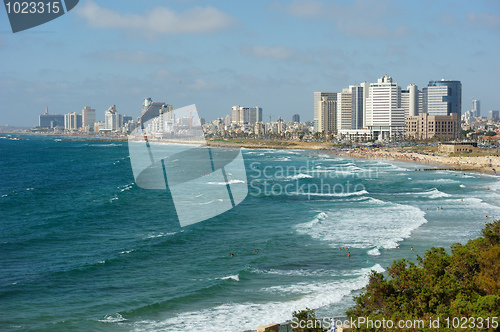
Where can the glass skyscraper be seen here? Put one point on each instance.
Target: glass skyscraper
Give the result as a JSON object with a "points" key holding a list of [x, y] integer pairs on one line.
{"points": [[444, 97]]}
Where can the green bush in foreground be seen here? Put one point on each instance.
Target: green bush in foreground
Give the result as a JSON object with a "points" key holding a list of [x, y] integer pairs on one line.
{"points": [[465, 283]]}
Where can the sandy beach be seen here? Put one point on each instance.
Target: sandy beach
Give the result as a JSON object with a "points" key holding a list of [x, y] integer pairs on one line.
{"points": [[486, 164]]}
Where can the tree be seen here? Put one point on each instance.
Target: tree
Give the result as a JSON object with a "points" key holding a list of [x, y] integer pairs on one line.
{"points": [[464, 283], [305, 321]]}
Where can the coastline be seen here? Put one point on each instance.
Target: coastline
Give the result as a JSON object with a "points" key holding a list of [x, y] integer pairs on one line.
{"points": [[484, 164]]}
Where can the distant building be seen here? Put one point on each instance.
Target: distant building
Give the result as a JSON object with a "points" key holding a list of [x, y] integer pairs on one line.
{"points": [[410, 100], [384, 116], [151, 110], [426, 126], [246, 115], [453, 147], [295, 118], [327, 123], [444, 97], [72, 121], [344, 110], [112, 119], [88, 118], [476, 107], [494, 115], [319, 123], [47, 120]]}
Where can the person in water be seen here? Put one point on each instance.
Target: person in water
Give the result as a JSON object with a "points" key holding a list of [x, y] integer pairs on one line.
{"points": [[349, 255]]}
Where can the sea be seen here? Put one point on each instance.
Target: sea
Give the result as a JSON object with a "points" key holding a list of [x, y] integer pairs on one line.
{"points": [[83, 248]]}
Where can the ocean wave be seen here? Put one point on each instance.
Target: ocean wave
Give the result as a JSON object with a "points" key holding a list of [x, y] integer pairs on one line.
{"points": [[115, 318], [248, 315], [373, 252], [380, 225], [347, 194], [152, 236], [299, 176], [235, 277], [229, 182]]}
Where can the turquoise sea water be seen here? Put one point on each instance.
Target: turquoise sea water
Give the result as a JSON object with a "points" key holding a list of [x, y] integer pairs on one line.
{"points": [[83, 248]]}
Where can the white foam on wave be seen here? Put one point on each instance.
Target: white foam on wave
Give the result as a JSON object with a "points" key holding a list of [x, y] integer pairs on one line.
{"points": [[373, 252], [371, 224], [229, 182], [341, 194], [235, 277], [495, 186], [431, 193], [212, 201], [437, 181], [299, 176], [462, 186], [112, 318], [248, 315], [152, 236]]}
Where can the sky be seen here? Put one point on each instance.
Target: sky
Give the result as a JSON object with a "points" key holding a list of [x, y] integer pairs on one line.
{"points": [[217, 54]]}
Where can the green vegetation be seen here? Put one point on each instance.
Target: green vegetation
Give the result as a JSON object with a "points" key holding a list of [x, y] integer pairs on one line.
{"points": [[490, 133], [465, 283], [305, 321]]}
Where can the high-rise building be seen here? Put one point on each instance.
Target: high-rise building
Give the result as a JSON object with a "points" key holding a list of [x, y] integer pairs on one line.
{"points": [[254, 115], [235, 119], [227, 120], [344, 110], [366, 93], [328, 116], [410, 100], [88, 118], [246, 115], [318, 121], [493, 115], [476, 107], [112, 119], [358, 103], [384, 116], [72, 121], [47, 120], [444, 97], [295, 118], [151, 110]]}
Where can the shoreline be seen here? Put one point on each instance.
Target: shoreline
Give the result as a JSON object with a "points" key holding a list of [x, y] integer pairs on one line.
{"points": [[484, 164]]}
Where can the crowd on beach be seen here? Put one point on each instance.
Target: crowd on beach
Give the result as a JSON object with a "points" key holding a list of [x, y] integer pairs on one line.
{"points": [[487, 164]]}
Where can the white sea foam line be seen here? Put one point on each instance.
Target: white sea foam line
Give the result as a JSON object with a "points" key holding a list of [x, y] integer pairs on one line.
{"points": [[152, 236], [341, 194], [229, 182], [432, 193], [299, 176], [437, 181], [247, 316], [235, 277], [378, 225]]}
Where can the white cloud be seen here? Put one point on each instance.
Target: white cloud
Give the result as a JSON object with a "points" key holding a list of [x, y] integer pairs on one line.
{"points": [[201, 84], [260, 51], [160, 20], [128, 56], [489, 20], [362, 18]]}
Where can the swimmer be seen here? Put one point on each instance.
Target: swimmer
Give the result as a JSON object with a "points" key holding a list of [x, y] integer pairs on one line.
{"points": [[411, 248], [349, 255]]}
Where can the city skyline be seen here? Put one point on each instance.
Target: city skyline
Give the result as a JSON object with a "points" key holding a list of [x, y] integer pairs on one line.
{"points": [[101, 54]]}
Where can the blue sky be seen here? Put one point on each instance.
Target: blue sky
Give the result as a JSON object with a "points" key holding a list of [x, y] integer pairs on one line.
{"points": [[217, 54]]}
